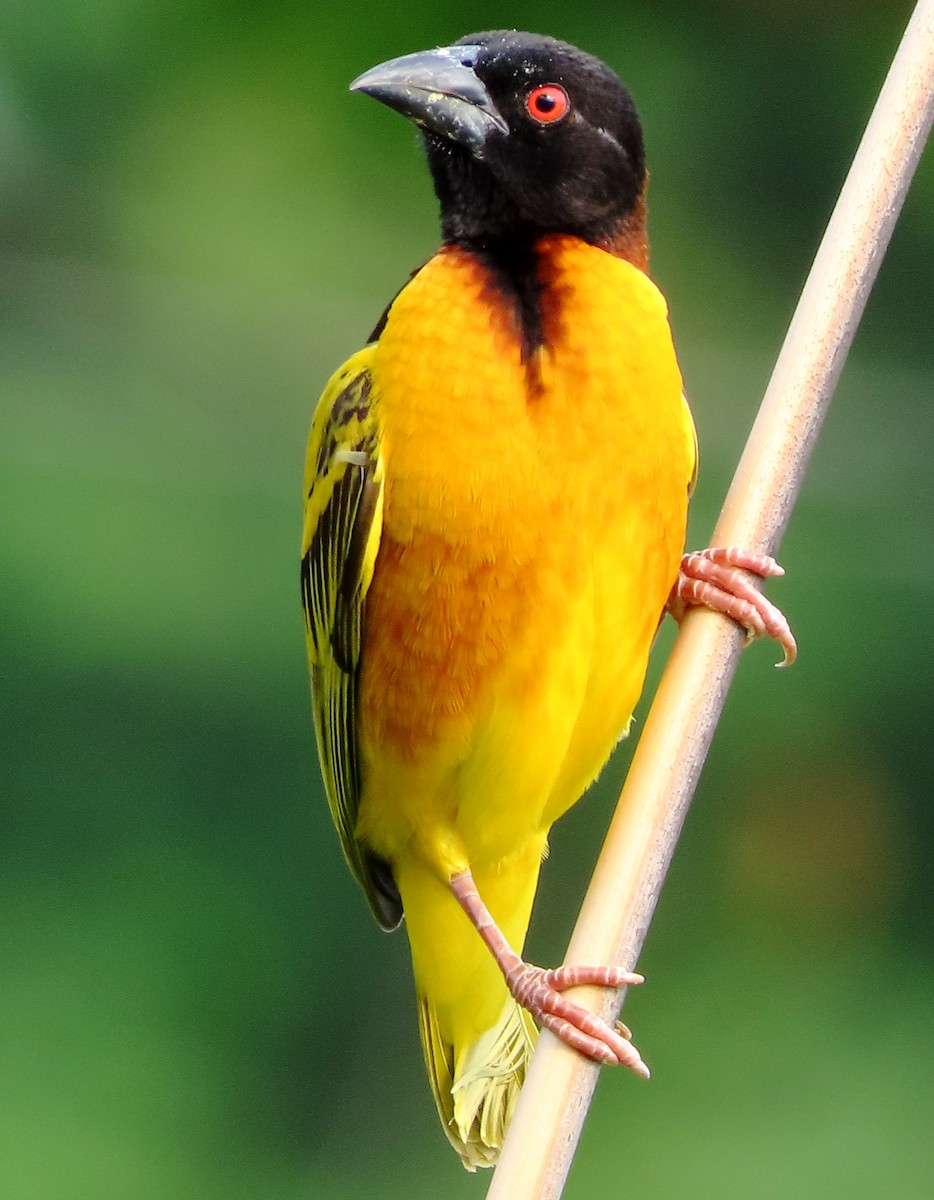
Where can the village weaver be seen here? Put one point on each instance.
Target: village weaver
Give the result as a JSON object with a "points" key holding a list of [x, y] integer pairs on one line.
{"points": [[496, 494]]}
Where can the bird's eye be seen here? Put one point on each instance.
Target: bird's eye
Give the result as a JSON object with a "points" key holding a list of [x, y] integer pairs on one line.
{"points": [[547, 103]]}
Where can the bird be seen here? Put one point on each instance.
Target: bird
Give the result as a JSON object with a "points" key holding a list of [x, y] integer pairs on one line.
{"points": [[495, 504]]}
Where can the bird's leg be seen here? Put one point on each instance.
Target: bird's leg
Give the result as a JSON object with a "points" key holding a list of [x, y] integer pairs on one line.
{"points": [[539, 990], [716, 579]]}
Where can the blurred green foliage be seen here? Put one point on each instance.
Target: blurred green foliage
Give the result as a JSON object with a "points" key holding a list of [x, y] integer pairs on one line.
{"points": [[197, 223]]}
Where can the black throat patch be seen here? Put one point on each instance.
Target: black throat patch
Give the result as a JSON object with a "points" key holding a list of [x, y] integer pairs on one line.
{"points": [[513, 266]]}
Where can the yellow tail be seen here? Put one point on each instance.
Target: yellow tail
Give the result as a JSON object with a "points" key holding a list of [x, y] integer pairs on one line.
{"points": [[477, 1040], [476, 1086]]}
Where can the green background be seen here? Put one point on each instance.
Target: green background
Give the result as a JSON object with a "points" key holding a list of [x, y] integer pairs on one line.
{"points": [[197, 224]]}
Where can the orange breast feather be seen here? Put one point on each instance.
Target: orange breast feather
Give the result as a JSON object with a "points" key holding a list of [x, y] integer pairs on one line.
{"points": [[533, 524]]}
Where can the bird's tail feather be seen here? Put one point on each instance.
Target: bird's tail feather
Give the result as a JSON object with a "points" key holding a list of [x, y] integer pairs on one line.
{"points": [[476, 1086]]}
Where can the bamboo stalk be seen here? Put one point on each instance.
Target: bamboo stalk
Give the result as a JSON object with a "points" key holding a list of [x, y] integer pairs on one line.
{"points": [[621, 899]]}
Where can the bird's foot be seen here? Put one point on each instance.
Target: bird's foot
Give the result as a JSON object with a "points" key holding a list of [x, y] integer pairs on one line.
{"points": [[539, 991], [717, 579]]}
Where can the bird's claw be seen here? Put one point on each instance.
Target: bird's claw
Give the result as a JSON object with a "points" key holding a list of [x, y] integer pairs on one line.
{"points": [[716, 578], [540, 992]]}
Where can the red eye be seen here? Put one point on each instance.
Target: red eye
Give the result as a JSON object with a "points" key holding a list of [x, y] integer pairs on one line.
{"points": [[547, 103]]}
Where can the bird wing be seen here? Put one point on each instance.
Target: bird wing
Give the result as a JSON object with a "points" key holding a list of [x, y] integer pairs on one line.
{"points": [[343, 523]]}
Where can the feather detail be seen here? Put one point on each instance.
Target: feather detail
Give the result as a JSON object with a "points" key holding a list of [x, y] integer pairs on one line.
{"points": [[342, 527], [477, 1094]]}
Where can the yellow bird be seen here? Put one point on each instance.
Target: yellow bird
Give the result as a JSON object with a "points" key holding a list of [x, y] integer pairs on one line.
{"points": [[496, 496]]}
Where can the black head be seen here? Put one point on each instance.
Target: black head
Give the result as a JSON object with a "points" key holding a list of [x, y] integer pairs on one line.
{"points": [[524, 135]]}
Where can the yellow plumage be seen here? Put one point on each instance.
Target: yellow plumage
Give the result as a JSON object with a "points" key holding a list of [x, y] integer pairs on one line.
{"points": [[490, 540]]}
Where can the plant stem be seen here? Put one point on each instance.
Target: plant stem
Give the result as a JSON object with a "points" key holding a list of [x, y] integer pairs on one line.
{"points": [[623, 892]]}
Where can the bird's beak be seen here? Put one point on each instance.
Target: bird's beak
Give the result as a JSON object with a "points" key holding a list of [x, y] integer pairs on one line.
{"points": [[440, 91]]}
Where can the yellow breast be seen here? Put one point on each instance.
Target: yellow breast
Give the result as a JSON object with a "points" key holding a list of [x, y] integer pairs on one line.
{"points": [[533, 522]]}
